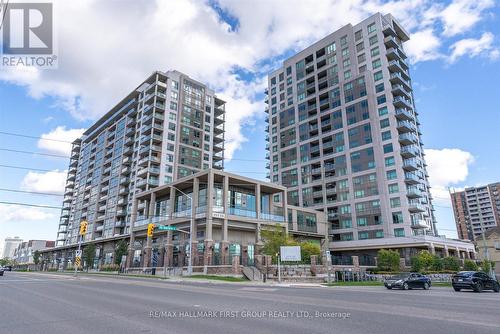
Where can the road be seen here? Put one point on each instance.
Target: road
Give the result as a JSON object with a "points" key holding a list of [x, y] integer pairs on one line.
{"points": [[50, 303]]}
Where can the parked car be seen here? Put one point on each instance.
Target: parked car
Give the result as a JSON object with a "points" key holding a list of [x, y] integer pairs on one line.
{"points": [[407, 281], [1, 271], [7, 268], [475, 280]]}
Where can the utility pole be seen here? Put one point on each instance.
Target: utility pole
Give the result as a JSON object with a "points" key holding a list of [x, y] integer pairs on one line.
{"points": [[78, 258]]}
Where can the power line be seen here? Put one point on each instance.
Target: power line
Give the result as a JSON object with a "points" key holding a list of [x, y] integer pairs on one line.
{"points": [[32, 205], [26, 168], [30, 192], [37, 153], [34, 137]]}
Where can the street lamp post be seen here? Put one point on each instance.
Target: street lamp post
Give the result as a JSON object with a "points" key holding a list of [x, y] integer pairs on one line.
{"points": [[191, 228]]}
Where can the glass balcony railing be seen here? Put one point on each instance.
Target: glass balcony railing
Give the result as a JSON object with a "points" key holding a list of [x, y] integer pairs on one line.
{"points": [[272, 217], [242, 212]]}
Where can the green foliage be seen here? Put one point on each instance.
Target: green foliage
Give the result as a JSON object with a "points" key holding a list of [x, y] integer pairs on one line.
{"points": [[470, 265], [273, 239], [451, 263], [6, 262], [426, 259], [388, 260], [120, 250], [89, 255], [416, 265], [486, 265], [110, 267], [307, 249], [437, 263], [36, 257]]}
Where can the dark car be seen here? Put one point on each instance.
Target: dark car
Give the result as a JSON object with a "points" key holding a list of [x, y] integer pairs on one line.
{"points": [[407, 281], [474, 280], [1, 271], [7, 268]]}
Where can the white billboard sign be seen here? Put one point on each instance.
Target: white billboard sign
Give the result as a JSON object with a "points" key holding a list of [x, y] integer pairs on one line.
{"points": [[290, 253]]}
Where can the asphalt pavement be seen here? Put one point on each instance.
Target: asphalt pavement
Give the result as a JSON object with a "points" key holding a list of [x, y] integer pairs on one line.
{"points": [[54, 303]]}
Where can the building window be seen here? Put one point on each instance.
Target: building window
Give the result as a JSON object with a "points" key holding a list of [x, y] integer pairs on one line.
{"points": [[372, 28], [384, 123], [388, 148], [393, 188], [397, 217], [395, 202], [399, 232], [375, 51], [386, 135], [378, 76], [391, 174], [382, 111], [362, 221], [390, 161]]}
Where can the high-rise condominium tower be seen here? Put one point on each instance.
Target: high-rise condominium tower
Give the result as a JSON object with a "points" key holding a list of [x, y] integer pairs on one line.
{"points": [[476, 210], [170, 126], [344, 137]]}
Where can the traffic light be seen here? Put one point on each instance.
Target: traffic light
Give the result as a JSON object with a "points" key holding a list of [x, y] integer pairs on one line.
{"points": [[83, 227], [151, 228]]}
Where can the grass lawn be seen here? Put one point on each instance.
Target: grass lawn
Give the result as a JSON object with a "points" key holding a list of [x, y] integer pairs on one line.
{"points": [[218, 278], [104, 273]]}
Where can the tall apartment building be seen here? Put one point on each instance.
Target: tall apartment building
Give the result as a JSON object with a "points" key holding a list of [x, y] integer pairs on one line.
{"points": [[475, 209], [170, 126], [9, 247], [344, 136]]}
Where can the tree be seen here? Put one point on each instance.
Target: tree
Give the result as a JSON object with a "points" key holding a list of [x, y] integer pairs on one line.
{"points": [[120, 250], [470, 265], [486, 265], [307, 249], [5, 262], [426, 259], [437, 263], [388, 260], [416, 265], [451, 263], [36, 258], [89, 255], [274, 239]]}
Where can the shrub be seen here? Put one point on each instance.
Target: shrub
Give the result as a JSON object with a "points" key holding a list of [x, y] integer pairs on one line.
{"points": [[451, 263], [437, 263], [110, 267], [470, 265], [307, 249], [416, 265], [388, 260]]}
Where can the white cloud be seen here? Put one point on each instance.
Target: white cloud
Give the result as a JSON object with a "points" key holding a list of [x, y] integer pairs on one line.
{"points": [[15, 213], [423, 45], [50, 182], [187, 35], [474, 47], [447, 168], [461, 15], [58, 141]]}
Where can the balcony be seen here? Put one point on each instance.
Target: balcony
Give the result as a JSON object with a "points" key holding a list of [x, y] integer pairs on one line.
{"points": [[397, 78], [410, 164], [419, 224], [401, 102], [416, 207], [394, 65], [409, 151], [391, 42], [403, 114], [411, 178], [414, 192], [406, 126], [272, 217], [408, 139], [242, 212]]}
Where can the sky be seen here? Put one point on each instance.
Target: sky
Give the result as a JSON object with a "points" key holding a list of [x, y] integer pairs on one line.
{"points": [[106, 48]]}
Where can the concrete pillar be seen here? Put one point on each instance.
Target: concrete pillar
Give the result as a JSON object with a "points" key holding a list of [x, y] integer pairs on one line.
{"points": [[432, 249], [133, 218], [151, 204], [467, 255], [236, 265], [402, 263], [208, 252], [225, 186], [210, 205], [457, 251], [224, 251], [285, 210], [258, 209], [355, 261], [446, 252]]}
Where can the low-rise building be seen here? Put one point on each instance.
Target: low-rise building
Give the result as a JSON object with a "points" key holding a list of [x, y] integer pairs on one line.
{"points": [[24, 253], [492, 237]]}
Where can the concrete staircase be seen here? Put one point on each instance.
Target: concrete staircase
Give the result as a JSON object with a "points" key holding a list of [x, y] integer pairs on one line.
{"points": [[252, 273]]}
